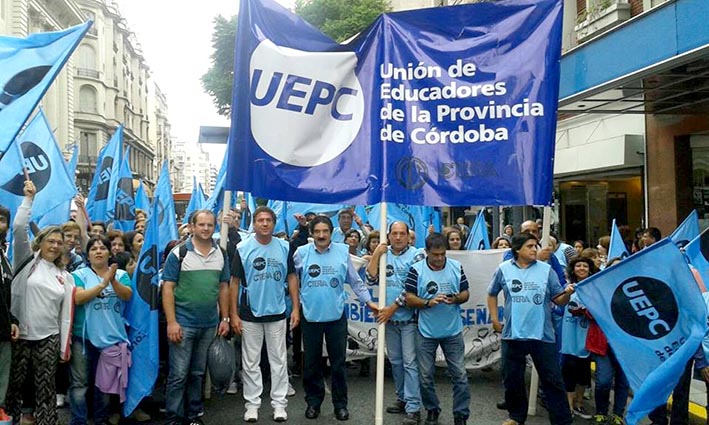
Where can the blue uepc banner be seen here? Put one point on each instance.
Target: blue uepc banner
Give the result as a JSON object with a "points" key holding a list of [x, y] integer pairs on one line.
{"points": [[142, 317], [45, 165], [124, 210], [100, 203], [441, 106], [651, 310], [165, 205], [28, 67]]}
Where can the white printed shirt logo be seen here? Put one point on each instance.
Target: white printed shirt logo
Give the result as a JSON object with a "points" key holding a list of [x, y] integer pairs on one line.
{"points": [[306, 107]]}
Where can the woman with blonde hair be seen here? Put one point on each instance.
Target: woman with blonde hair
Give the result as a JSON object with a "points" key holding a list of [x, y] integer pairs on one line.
{"points": [[42, 301]]}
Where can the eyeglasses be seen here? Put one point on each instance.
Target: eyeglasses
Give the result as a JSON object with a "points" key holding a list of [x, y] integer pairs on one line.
{"points": [[57, 242]]}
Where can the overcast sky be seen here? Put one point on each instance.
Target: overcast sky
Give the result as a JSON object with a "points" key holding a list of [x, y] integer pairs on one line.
{"points": [[176, 40]]}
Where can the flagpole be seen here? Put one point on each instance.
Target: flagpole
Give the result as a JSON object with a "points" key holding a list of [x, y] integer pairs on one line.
{"points": [[534, 381], [224, 230], [379, 406]]}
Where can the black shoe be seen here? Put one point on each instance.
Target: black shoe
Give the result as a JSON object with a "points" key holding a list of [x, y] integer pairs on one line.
{"points": [[312, 412], [398, 407], [432, 417], [413, 418], [459, 420], [502, 405], [342, 414]]}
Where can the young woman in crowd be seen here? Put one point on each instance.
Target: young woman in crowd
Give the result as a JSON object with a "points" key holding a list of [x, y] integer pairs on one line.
{"points": [[42, 293], [454, 238]]}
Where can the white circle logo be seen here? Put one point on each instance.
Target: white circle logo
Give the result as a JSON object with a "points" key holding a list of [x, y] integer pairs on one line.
{"points": [[306, 107]]}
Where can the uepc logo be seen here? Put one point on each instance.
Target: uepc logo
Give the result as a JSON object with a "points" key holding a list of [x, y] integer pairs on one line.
{"points": [[259, 263], [38, 167], [645, 307], [306, 107]]}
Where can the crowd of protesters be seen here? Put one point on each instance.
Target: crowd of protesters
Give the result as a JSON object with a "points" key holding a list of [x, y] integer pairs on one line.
{"points": [[63, 334]]}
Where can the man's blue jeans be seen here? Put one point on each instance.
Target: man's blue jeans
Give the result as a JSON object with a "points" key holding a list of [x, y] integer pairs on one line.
{"points": [[84, 359], [606, 367], [454, 349], [188, 363], [401, 350]]}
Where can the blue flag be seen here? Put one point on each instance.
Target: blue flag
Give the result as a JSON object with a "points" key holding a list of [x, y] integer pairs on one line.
{"points": [[142, 317], [653, 314], [416, 217], [167, 222], [617, 248], [28, 67], [438, 106], [45, 166], [246, 222], [124, 213], [197, 200], [436, 220], [280, 208], [478, 237], [688, 230], [141, 198], [215, 202], [100, 203], [60, 214]]}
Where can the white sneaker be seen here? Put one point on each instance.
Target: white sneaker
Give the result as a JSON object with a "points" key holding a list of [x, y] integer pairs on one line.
{"points": [[251, 414], [233, 388], [279, 414], [61, 400], [291, 390]]}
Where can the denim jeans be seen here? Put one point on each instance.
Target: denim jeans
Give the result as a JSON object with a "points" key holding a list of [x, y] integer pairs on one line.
{"points": [[606, 368], [453, 349], [84, 359], [545, 358], [188, 363], [401, 350]]}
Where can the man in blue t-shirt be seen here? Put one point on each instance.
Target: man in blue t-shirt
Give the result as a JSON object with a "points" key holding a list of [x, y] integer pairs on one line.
{"points": [[530, 286], [437, 287], [323, 267], [261, 270], [195, 295], [400, 320]]}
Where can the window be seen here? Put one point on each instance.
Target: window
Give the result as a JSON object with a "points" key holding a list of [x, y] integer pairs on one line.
{"points": [[87, 99], [88, 146], [87, 61]]}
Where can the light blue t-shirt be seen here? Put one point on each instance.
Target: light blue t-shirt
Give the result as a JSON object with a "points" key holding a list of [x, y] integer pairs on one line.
{"points": [[266, 270], [104, 324], [322, 278], [396, 270], [528, 294], [574, 329]]}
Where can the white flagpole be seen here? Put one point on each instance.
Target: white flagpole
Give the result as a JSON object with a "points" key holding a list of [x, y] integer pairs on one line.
{"points": [[224, 230], [534, 382], [379, 406]]}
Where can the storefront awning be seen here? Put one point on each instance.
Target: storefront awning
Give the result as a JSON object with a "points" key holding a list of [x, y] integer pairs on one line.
{"points": [[655, 63]]}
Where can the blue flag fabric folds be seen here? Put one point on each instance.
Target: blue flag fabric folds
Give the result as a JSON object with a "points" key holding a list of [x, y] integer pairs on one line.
{"points": [[101, 201], [688, 230], [197, 200], [478, 237], [142, 317], [124, 211], [141, 198], [617, 248], [28, 67], [418, 218], [60, 214], [165, 205], [438, 106], [246, 221], [45, 166], [653, 314]]}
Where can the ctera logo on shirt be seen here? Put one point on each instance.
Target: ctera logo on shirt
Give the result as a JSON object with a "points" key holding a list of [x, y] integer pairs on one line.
{"points": [[431, 288], [644, 307], [259, 263], [315, 96], [334, 282], [314, 270]]}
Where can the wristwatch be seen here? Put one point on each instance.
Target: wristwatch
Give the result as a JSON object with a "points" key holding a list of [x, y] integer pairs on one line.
{"points": [[425, 304], [226, 319]]}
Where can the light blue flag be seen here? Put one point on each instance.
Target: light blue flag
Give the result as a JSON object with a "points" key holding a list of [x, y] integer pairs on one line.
{"points": [[60, 214], [215, 202], [167, 222], [246, 222], [436, 220], [45, 166], [280, 208], [105, 182], [478, 237], [142, 317], [142, 201], [329, 210], [197, 200], [361, 211], [124, 215], [653, 314], [617, 248], [416, 217], [688, 230], [27, 68]]}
